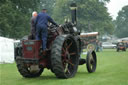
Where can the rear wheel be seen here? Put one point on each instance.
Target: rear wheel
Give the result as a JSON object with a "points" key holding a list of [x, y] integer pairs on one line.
{"points": [[27, 71], [64, 58], [18, 51], [91, 61]]}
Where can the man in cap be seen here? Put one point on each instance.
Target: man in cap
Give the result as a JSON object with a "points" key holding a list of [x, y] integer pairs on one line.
{"points": [[41, 27]]}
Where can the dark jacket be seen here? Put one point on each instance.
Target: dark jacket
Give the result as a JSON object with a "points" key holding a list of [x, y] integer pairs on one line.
{"points": [[43, 19], [33, 31]]}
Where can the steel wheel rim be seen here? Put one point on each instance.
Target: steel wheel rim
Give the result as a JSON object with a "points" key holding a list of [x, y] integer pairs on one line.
{"points": [[67, 56]]}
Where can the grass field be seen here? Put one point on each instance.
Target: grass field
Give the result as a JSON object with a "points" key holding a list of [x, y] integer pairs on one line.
{"points": [[112, 69]]}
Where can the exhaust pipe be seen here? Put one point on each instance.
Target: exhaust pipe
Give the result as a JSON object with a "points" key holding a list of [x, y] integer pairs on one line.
{"points": [[73, 8]]}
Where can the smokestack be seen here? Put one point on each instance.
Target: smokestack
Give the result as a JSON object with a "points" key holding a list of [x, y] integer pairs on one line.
{"points": [[73, 8]]}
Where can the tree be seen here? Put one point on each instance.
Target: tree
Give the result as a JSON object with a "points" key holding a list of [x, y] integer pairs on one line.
{"points": [[15, 17], [122, 23], [61, 11], [48, 4], [92, 15]]}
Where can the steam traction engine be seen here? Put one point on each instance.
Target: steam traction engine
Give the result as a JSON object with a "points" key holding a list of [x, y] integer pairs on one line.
{"points": [[62, 56]]}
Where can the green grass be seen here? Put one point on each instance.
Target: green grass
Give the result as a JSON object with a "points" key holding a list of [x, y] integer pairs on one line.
{"points": [[112, 69]]}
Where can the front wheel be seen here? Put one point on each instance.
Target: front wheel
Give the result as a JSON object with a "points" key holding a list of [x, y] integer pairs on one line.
{"points": [[90, 47], [91, 61]]}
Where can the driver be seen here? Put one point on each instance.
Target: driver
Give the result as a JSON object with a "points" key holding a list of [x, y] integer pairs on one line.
{"points": [[41, 27]]}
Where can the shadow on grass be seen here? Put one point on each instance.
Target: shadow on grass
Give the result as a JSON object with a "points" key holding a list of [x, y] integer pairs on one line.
{"points": [[82, 73], [53, 77], [50, 79], [46, 77], [42, 78]]}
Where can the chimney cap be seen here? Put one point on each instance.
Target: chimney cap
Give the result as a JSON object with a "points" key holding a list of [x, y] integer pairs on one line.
{"points": [[73, 6]]}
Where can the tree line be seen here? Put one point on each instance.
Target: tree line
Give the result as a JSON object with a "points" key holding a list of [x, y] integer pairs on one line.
{"points": [[92, 15], [121, 23]]}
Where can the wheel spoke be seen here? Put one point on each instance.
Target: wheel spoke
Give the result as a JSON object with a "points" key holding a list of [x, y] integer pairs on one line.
{"points": [[63, 55], [63, 50], [91, 57], [92, 61], [65, 44], [91, 66], [72, 53], [70, 63], [68, 71], [66, 67], [69, 46]]}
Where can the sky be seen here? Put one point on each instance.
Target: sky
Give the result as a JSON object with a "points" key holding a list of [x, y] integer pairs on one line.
{"points": [[114, 6]]}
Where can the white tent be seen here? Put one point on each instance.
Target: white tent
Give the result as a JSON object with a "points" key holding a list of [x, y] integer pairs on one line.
{"points": [[6, 50]]}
